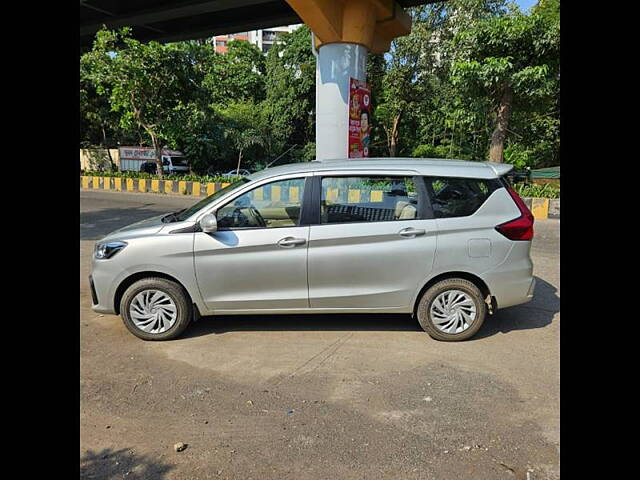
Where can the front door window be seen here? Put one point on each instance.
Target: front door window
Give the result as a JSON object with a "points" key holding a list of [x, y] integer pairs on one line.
{"points": [[274, 205]]}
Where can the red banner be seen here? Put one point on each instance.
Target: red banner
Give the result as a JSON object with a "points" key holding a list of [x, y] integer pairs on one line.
{"points": [[359, 115]]}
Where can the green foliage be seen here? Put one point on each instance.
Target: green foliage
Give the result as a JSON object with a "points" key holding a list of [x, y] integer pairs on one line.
{"points": [[431, 151], [244, 127], [237, 75], [149, 85], [517, 155], [548, 9], [434, 94], [537, 191], [517, 50], [308, 152], [99, 125], [512, 60], [176, 178], [290, 87]]}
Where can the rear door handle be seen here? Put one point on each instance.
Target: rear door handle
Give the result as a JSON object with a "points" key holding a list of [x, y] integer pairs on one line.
{"points": [[289, 242], [411, 232]]}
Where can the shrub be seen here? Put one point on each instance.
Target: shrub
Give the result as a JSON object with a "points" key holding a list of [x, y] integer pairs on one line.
{"points": [[537, 191], [175, 178]]}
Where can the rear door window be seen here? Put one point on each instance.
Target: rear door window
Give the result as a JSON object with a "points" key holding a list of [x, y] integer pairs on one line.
{"points": [[368, 199], [458, 197]]}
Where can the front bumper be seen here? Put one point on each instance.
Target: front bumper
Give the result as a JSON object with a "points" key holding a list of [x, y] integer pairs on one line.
{"points": [[94, 294], [100, 301], [102, 282]]}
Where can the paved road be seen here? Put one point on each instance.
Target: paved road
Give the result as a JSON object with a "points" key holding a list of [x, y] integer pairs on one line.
{"points": [[341, 396]]}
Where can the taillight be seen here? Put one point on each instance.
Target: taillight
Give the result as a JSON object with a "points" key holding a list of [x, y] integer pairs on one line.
{"points": [[522, 227]]}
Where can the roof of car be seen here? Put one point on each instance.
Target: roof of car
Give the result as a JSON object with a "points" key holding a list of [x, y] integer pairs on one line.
{"points": [[421, 166]]}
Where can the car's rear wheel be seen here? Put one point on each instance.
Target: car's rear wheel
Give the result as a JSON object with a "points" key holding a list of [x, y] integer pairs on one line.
{"points": [[452, 310], [155, 309]]}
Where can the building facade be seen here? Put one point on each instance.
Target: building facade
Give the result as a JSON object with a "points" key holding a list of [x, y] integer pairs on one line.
{"points": [[220, 41], [263, 39]]}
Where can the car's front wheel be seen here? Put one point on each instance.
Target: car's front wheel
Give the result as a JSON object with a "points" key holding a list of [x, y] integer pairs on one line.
{"points": [[155, 309], [452, 310]]}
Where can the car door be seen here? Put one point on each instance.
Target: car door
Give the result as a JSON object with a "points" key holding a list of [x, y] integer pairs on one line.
{"points": [[257, 259], [374, 243]]}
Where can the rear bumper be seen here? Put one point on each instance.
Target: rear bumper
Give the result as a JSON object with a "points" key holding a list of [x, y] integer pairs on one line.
{"points": [[531, 289], [512, 282]]}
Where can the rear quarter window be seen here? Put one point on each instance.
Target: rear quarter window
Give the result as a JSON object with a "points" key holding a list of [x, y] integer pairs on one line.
{"points": [[458, 197]]}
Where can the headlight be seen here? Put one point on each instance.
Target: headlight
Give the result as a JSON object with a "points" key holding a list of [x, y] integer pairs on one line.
{"points": [[108, 250]]}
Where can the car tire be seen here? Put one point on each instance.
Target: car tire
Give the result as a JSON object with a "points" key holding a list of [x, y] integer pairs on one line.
{"points": [[440, 292], [171, 314]]}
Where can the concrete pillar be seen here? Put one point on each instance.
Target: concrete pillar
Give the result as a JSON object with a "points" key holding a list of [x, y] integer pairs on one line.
{"points": [[335, 64], [344, 32]]}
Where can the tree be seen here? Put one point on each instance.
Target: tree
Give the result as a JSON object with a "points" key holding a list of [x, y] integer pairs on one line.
{"points": [[237, 74], [290, 91], [417, 102], [221, 80], [99, 124], [403, 86], [146, 84], [511, 59], [242, 127], [548, 9]]}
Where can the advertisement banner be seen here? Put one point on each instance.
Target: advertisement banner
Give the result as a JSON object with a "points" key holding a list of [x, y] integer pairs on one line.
{"points": [[359, 115]]}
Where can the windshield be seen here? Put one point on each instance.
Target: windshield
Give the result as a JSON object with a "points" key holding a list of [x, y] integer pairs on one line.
{"points": [[179, 161], [184, 214]]}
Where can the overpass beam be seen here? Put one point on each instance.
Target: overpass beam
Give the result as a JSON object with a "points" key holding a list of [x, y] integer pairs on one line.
{"points": [[344, 32]]}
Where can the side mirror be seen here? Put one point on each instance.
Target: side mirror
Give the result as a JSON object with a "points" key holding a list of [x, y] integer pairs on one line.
{"points": [[208, 223]]}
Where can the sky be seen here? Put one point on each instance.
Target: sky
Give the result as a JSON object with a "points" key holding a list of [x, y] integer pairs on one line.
{"points": [[525, 5]]}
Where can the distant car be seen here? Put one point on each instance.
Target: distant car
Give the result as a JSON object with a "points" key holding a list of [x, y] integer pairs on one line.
{"points": [[241, 173]]}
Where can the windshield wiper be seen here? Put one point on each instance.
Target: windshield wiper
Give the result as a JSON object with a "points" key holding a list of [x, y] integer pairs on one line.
{"points": [[172, 217]]}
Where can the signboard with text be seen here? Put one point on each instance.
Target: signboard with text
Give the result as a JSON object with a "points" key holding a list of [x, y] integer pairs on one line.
{"points": [[132, 158], [144, 153], [359, 115]]}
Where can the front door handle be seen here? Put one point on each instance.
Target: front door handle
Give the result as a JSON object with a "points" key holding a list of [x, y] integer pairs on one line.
{"points": [[289, 242], [411, 232]]}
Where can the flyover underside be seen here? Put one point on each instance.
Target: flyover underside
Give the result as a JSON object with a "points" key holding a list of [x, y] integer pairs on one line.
{"points": [[168, 21]]}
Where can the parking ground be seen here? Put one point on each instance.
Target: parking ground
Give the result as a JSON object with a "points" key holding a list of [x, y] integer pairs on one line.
{"points": [[317, 396]]}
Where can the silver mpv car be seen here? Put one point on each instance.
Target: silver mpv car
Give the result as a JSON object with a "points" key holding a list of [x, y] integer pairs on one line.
{"points": [[444, 240]]}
